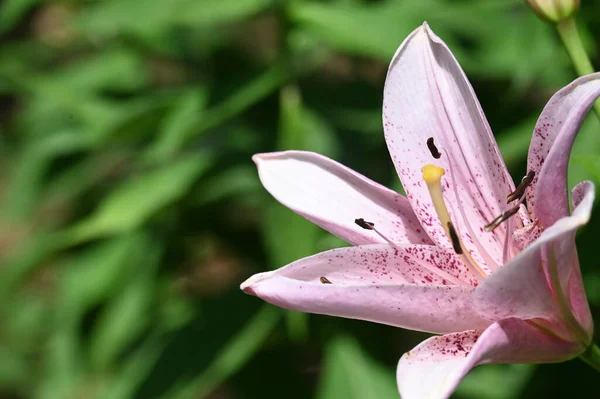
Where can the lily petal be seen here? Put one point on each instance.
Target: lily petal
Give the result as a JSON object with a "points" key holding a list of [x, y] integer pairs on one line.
{"points": [[434, 368], [333, 196], [520, 288], [404, 286], [551, 144], [565, 253], [426, 95]]}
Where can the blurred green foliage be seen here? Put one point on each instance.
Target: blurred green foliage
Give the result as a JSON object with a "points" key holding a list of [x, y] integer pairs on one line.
{"points": [[131, 211]]}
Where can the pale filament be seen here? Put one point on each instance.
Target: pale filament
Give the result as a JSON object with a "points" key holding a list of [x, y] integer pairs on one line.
{"points": [[432, 175]]}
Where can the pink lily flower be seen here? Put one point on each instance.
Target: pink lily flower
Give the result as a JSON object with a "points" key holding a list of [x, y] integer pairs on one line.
{"points": [[460, 255]]}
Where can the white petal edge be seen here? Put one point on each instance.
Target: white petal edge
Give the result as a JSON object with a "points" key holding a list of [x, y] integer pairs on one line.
{"points": [[373, 283], [333, 196]]}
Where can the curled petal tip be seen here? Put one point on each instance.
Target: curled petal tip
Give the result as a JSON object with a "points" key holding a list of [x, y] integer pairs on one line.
{"points": [[249, 286], [257, 158]]}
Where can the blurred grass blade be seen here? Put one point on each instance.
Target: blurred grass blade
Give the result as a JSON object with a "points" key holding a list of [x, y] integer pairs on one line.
{"points": [[185, 115], [133, 202], [63, 368], [115, 16], [135, 369], [374, 31], [14, 369], [12, 11], [252, 92], [23, 259], [291, 127], [116, 69], [208, 12], [30, 168], [587, 145], [127, 313], [233, 356], [514, 142], [490, 381], [100, 272], [121, 322], [234, 182], [349, 373]]}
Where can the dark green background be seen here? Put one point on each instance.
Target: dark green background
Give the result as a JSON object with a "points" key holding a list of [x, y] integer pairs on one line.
{"points": [[130, 210]]}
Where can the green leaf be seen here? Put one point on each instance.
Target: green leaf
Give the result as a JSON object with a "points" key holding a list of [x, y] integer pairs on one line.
{"points": [[232, 357], [27, 327], [514, 142], [585, 151], [112, 17], [135, 368], [115, 69], [247, 95], [99, 272], [210, 12], [374, 31], [234, 182], [184, 117], [302, 128], [490, 381], [63, 367], [135, 201], [14, 369], [12, 11], [29, 171], [349, 373], [124, 318], [540, 49]]}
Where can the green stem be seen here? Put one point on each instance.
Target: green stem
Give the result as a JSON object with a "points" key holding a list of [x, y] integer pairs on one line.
{"points": [[592, 356], [567, 29]]}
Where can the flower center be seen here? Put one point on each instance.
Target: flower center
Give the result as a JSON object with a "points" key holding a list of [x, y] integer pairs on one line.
{"points": [[432, 175]]}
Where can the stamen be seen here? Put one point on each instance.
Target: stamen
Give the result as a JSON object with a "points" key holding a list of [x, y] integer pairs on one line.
{"points": [[324, 280], [503, 216], [371, 226], [507, 246], [433, 149], [364, 224], [520, 190], [432, 175], [455, 240], [489, 261]]}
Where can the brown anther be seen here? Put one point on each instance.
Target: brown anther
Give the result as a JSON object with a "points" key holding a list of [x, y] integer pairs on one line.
{"points": [[520, 190], [454, 238], [364, 224], [503, 217], [324, 280], [433, 149]]}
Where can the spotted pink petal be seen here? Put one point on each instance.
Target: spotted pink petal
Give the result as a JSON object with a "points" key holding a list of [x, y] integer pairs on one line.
{"points": [[520, 288], [333, 196], [426, 95], [551, 145], [565, 251], [434, 368], [409, 286]]}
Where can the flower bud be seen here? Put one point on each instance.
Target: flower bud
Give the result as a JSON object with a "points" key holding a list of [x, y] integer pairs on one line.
{"points": [[554, 10]]}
